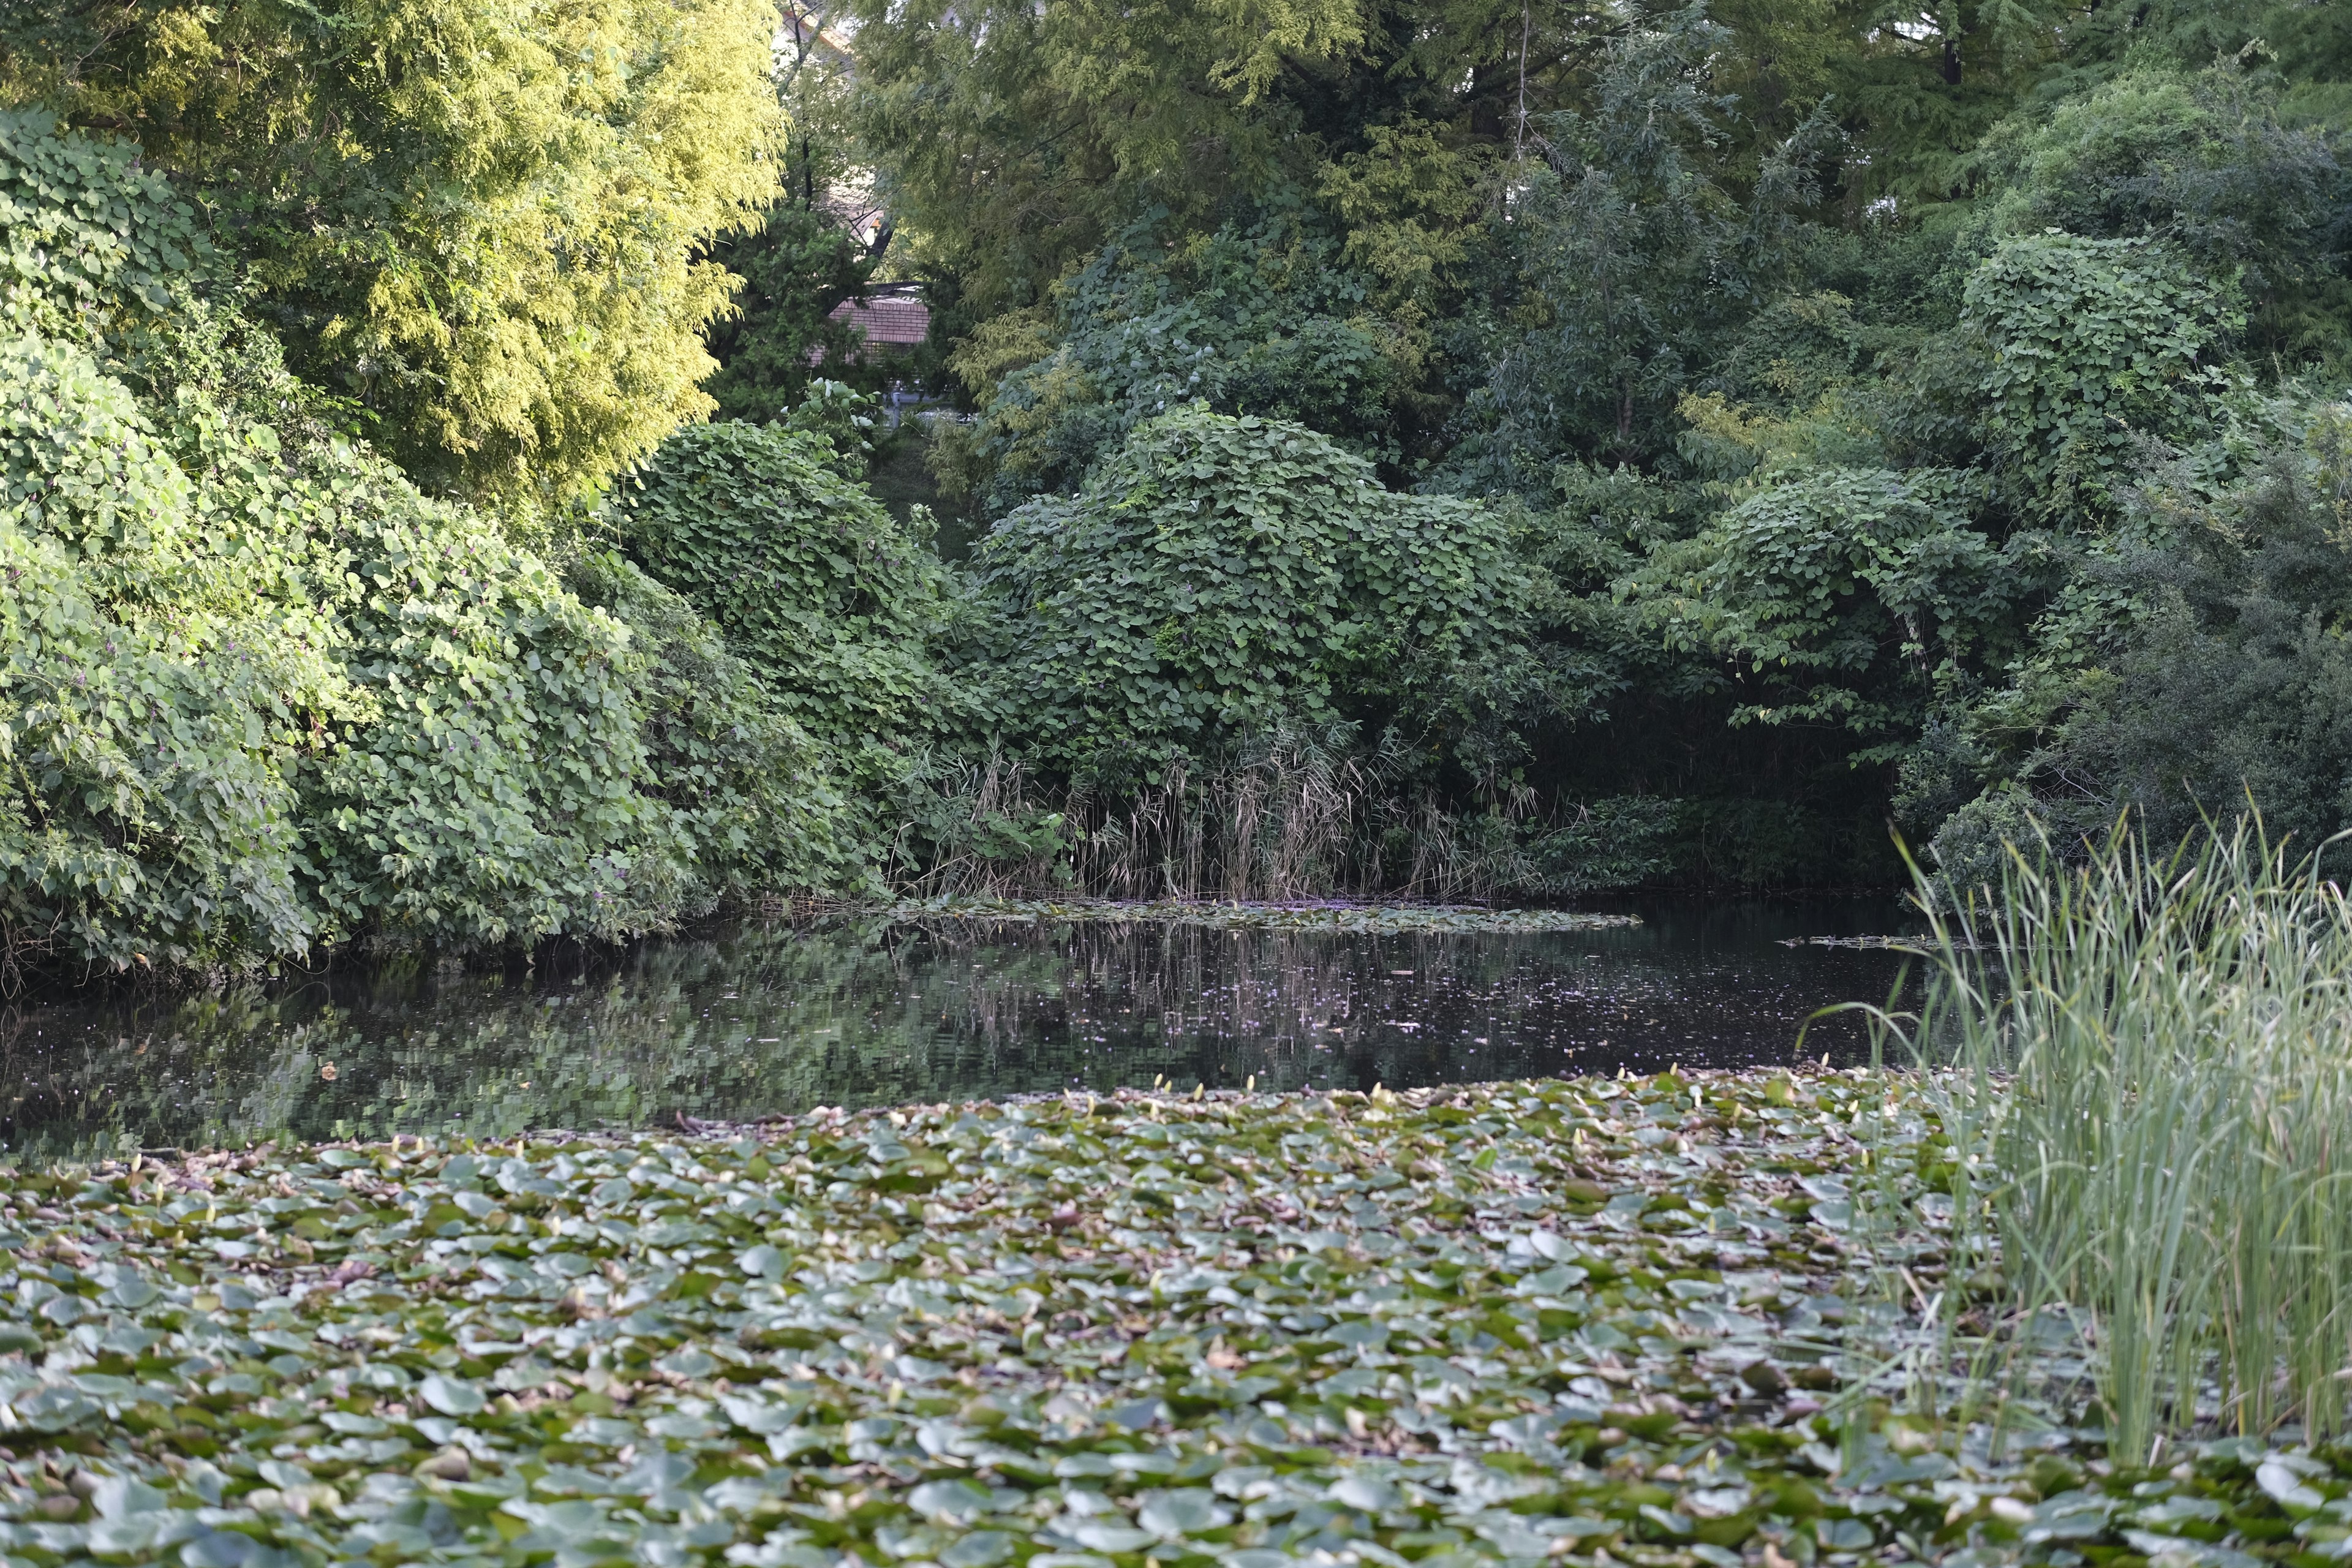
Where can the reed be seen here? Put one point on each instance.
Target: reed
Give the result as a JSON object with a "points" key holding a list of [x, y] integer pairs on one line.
{"points": [[2154, 1051], [1285, 816], [1300, 812]]}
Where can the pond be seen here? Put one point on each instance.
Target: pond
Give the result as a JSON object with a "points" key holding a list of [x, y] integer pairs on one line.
{"points": [[745, 1019]]}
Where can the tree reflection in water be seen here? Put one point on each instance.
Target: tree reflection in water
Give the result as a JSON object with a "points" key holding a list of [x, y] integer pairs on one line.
{"points": [[749, 1019]]}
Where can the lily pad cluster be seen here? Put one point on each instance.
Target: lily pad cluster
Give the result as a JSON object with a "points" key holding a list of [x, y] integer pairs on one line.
{"points": [[1586, 1322], [1381, 918]]}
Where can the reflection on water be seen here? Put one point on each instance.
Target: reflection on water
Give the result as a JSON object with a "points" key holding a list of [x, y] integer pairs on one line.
{"points": [[743, 1020]]}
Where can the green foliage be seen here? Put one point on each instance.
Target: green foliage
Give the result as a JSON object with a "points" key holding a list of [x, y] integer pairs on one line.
{"points": [[148, 715], [481, 220], [2209, 164], [1852, 586], [85, 233], [1635, 253], [1267, 321], [1178, 103], [2201, 665], [493, 796], [2092, 345], [327, 707], [1862, 417], [831, 604], [1220, 577], [842, 419], [748, 786], [260, 695]]}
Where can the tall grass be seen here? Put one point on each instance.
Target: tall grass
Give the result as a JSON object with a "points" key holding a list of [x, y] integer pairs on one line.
{"points": [[1301, 812], [2157, 1048]]}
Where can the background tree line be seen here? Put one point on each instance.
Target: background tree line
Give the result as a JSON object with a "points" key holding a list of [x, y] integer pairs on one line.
{"points": [[1461, 448]]}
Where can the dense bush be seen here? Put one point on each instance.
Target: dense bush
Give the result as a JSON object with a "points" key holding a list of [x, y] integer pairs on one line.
{"points": [[293, 701], [260, 694], [1220, 578], [2200, 667], [762, 809], [829, 603], [2089, 346]]}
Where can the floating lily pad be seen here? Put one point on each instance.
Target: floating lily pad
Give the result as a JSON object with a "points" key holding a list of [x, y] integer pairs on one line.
{"points": [[1635, 1324]]}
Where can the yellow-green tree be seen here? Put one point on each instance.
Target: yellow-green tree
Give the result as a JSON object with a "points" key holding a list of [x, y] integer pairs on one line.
{"points": [[480, 219]]}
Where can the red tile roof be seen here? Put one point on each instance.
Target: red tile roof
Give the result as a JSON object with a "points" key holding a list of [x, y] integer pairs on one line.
{"points": [[889, 321]]}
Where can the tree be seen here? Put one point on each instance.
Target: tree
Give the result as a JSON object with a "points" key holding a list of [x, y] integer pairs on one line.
{"points": [[809, 254], [477, 218], [1635, 258]]}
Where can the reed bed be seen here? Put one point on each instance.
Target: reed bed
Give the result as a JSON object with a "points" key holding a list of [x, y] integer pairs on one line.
{"points": [[2153, 1050]]}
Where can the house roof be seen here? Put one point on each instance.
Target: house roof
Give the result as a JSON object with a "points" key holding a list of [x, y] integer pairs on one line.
{"points": [[889, 321]]}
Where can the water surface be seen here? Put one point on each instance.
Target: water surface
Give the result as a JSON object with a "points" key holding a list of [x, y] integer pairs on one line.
{"points": [[748, 1019]]}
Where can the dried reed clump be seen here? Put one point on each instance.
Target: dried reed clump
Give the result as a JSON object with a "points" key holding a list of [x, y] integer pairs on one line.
{"points": [[1298, 814], [2157, 1053], [1282, 818]]}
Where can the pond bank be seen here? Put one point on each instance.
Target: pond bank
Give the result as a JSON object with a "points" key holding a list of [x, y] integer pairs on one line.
{"points": [[1590, 1321]]}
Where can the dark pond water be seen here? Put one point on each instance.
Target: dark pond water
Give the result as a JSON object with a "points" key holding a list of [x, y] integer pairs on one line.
{"points": [[744, 1020]]}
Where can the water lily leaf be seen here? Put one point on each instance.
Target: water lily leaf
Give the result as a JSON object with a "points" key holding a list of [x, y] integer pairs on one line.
{"points": [[450, 1397], [980, 1549], [951, 1503], [1188, 1511], [2288, 1490], [1103, 1535], [1368, 1494]]}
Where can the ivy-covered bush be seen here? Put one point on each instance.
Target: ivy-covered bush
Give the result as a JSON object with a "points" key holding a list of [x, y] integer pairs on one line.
{"points": [[2089, 346], [85, 232], [293, 701], [257, 693], [1842, 591], [1221, 578], [760, 807], [147, 818], [831, 603]]}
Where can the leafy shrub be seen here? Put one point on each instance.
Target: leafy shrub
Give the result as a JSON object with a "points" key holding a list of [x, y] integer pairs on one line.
{"points": [[2091, 345], [85, 232], [1221, 578], [294, 700], [2197, 669], [845, 419], [1836, 588], [257, 693], [492, 793], [2208, 162], [759, 809], [829, 601], [148, 818]]}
